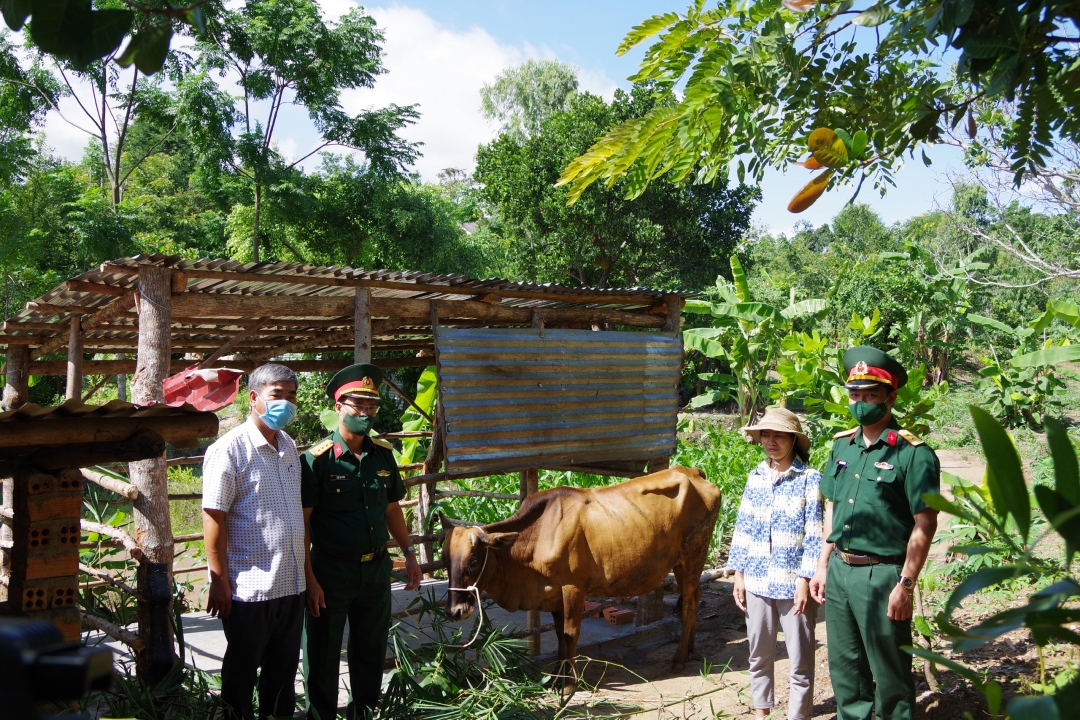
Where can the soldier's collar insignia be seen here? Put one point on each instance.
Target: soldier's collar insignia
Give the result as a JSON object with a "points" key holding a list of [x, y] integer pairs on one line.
{"points": [[338, 450], [891, 438]]}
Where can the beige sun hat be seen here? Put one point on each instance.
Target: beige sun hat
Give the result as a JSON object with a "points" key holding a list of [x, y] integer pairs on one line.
{"points": [[782, 420]]}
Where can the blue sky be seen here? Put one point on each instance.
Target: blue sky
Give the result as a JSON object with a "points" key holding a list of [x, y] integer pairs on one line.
{"points": [[439, 54]]}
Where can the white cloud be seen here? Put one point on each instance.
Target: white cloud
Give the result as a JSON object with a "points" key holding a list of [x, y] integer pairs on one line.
{"points": [[442, 69]]}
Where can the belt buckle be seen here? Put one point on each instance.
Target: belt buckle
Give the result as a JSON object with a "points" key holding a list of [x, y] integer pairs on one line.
{"points": [[367, 557]]}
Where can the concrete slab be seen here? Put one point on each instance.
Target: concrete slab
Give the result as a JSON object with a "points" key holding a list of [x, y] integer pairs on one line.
{"points": [[206, 644]]}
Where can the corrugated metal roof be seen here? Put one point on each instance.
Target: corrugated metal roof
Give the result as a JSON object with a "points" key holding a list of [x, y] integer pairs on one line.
{"points": [[514, 399], [47, 318], [75, 408]]}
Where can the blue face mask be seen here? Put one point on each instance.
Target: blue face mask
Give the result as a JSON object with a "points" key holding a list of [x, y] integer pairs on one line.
{"points": [[279, 413]]}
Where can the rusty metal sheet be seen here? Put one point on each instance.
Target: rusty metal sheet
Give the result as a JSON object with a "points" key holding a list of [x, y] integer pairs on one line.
{"points": [[515, 399]]}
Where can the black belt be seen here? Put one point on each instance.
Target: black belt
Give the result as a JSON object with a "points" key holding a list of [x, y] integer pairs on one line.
{"points": [[354, 557], [856, 559]]}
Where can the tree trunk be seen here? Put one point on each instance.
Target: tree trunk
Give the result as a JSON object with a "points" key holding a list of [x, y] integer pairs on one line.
{"points": [[255, 223], [153, 528], [17, 377], [362, 326]]}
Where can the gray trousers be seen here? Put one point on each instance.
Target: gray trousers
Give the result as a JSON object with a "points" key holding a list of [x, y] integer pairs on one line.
{"points": [[764, 616]]}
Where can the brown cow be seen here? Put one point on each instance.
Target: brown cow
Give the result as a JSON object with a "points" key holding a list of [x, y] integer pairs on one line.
{"points": [[567, 543]]}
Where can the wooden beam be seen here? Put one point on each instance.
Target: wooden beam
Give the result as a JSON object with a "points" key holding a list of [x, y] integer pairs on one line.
{"points": [[97, 386], [61, 431], [673, 317], [138, 447], [571, 296], [124, 489], [93, 318], [89, 287], [127, 367], [232, 343], [116, 534], [114, 631], [362, 326], [75, 359], [17, 377]]}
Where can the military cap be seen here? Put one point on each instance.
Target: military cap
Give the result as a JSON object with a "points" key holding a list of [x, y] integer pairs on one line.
{"points": [[361, 379], [867, 366]]}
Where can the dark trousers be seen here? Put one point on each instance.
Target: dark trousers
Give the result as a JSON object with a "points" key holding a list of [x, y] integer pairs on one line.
{"points": [[870, 673], [360, 593], [264, 634]]}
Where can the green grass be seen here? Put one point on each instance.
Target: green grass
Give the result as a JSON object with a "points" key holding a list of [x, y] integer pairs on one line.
{"points": [[186, 515]]}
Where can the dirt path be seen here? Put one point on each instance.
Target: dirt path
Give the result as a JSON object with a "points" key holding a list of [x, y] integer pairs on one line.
{"points": [[716, 682]]}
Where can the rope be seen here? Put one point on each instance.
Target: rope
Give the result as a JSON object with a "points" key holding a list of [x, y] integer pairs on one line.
{"points": [[479, 606]]}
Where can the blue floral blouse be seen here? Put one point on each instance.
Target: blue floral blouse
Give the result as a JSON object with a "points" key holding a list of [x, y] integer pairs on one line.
{"points": [[778, 530]]}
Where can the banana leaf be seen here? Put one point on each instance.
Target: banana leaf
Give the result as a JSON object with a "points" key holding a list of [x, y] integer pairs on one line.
{"points": [[1047, 357]]}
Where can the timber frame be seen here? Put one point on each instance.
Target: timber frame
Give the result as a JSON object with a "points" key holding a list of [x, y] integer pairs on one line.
{"points": [[150, 310]]}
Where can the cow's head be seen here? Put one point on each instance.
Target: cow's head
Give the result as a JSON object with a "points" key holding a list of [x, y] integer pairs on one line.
{"points": [[465, 550]]}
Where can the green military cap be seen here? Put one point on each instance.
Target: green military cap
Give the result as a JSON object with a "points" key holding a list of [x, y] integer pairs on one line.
{"points": [[361, 379], [867, 366]]}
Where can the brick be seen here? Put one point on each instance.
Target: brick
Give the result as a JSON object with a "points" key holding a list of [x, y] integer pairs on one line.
{"points": [[616, 616]]}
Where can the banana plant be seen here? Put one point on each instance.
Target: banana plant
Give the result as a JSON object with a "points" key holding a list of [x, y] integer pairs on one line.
{"points": [[746, 336], [1006, 512]]}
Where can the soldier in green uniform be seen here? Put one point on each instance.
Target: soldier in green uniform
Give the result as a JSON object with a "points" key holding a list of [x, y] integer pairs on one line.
{"points": [[877, 535], [350, 488]]}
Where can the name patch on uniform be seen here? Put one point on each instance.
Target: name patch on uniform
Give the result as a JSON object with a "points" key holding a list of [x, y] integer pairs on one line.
{"points": [[338, 477], [842, 463], [383, 473], [883, 465]]}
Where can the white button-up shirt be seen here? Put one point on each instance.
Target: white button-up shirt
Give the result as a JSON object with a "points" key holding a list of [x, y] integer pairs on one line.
{"points": [[258, 488]]}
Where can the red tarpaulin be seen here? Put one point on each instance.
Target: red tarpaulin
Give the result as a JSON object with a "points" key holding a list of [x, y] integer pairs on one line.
{"points": [[208, 389]]}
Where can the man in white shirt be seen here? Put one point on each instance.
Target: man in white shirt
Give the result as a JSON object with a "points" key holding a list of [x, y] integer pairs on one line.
{"points": [[253, 526]]}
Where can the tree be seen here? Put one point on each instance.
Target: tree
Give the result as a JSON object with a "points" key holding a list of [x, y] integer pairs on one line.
{"points": [[673, 237], [282, 53], [22, 109], [522, 97], [760, 79], [76, 32]]}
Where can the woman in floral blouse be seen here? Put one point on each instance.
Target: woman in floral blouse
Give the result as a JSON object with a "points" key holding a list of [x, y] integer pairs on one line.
{"points": [[774, 553]]}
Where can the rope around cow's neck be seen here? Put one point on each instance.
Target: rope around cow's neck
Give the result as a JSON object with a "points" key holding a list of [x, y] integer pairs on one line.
{"points": [[479, 606]]}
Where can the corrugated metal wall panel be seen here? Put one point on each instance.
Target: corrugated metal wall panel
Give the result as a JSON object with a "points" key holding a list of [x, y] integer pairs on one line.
{"points": [[514, 399]]}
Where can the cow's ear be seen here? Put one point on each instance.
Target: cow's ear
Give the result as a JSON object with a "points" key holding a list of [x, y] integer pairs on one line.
{"points": [[499, 540]]}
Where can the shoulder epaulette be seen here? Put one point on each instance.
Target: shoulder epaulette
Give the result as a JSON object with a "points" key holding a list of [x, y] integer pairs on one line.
{"points": [[846, 433], [911, 437], [321, 447], [382, 443]]}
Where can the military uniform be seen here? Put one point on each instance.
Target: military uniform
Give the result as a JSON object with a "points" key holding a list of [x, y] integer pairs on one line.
{"points": [[348, 496], [876, 491]]}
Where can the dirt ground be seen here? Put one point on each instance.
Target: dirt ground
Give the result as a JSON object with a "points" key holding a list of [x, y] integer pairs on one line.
{"points": [[716, 682]]}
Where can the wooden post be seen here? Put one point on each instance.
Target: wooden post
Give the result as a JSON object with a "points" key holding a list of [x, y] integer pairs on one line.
{"points": [[74, 361], [673, 319], [529, 484], [153, 528], [16, 377], [362, 323], [650, 607], [432, 464]]}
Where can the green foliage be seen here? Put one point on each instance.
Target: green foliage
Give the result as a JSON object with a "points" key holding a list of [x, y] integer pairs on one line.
{"points": [[753, 82], [1004, 510], [185, 693], [412, 420], [522, 97], [670, 237]]}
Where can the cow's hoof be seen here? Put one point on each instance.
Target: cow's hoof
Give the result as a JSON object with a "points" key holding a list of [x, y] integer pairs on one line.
{"points": [[678, 666]]}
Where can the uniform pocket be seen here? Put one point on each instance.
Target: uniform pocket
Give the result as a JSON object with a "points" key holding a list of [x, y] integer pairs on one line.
{"points": [[885, 485]]}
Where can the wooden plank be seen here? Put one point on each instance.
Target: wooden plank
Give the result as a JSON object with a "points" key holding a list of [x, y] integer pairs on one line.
{"points": [[17, 378], [71, 430], [573, 296], [81, 286]]}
